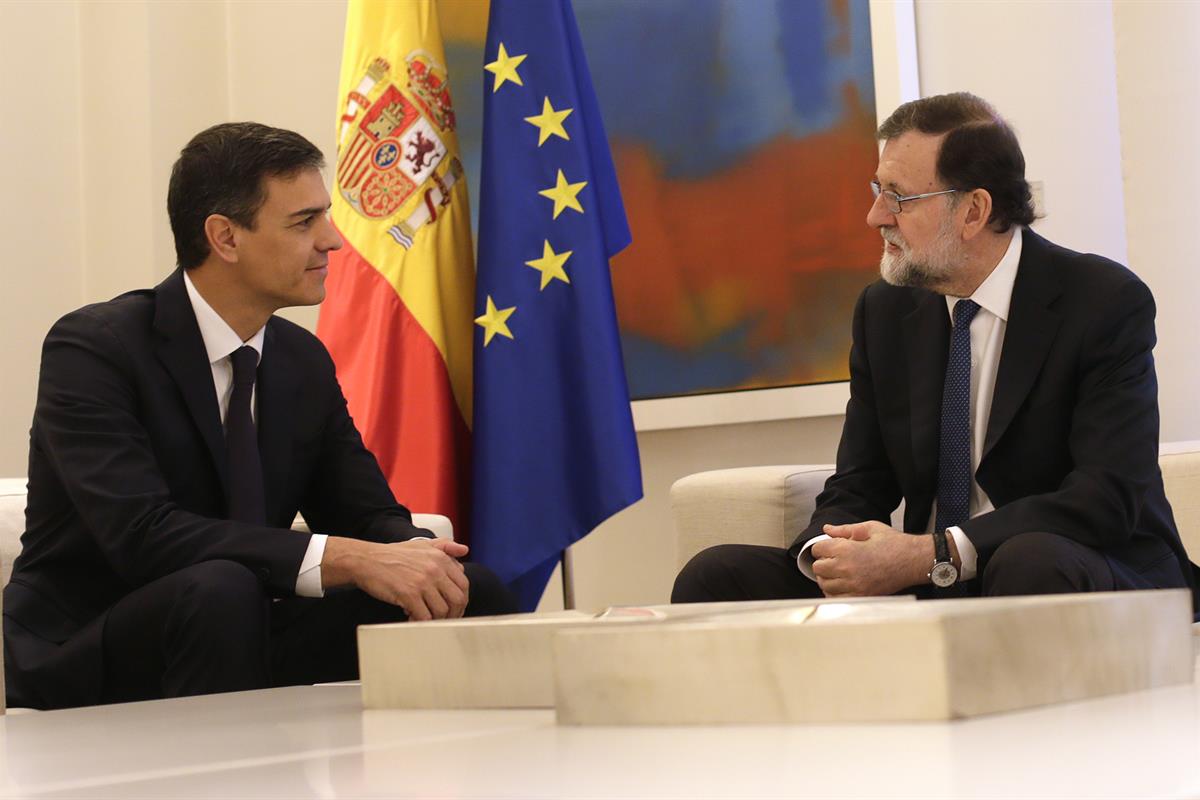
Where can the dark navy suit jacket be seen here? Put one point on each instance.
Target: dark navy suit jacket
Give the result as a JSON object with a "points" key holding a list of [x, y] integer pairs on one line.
{"points": [[127, 478], [1071, 446]]}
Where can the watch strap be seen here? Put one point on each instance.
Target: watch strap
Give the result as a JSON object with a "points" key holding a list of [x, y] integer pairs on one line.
{"points": [[941, 549]]}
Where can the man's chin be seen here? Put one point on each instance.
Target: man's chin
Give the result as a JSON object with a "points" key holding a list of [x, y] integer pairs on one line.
{"points": [[311, 296], [894, 271], [904, 273]]}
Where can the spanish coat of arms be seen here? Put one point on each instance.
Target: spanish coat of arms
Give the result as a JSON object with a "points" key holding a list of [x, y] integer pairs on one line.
{"points": [[390, 148]]}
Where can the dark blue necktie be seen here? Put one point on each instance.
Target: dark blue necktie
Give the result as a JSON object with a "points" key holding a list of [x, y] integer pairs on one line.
{"points": [[954, 453], [241, 442]]}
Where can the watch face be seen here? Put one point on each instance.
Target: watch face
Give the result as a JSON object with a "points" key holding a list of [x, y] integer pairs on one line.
{"points": [[943, 574]]}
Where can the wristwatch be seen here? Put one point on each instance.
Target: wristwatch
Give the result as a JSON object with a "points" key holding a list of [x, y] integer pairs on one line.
{"points": [[943, 574]]}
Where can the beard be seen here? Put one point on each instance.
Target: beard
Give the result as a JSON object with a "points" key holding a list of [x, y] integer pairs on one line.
{"points": [[933, 269]]}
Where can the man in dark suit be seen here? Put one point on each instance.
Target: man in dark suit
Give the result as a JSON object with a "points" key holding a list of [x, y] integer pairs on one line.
{"points": [[1001, 385], [177, 432]]}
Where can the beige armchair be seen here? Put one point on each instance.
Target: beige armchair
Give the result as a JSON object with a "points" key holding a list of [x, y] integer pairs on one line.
{"points": [[771, 505]]}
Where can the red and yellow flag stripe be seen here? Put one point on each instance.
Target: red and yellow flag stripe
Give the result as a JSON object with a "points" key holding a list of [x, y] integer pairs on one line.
{"points": [[397, 318]]}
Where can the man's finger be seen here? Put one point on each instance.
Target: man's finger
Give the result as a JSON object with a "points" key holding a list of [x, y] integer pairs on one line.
{"points": [[826, 548], [826, 568], [415, 607], [450, 547], [459, 577], [835, 587], [455, 597], [859, 531], [832, 548], [438, 607], [842, 531]]}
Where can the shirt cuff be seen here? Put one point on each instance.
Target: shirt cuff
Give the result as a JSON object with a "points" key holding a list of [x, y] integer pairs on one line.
{"points": [[967, 553], [308, 582], [805, 560]]}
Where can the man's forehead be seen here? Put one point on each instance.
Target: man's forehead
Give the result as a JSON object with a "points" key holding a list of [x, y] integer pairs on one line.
{"points": [[909, 162], [289, 194]]}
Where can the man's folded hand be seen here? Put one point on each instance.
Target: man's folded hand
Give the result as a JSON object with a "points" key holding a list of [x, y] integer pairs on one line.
{"points": [[422, 576], [870, 559]]}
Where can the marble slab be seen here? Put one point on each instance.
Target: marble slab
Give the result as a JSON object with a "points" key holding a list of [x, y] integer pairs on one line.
{"points": [[504, 661], [875, 662]]}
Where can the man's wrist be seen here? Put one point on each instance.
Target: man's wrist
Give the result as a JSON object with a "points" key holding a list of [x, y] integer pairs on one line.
{"points": [[338, 564], [955, 558], [926, 556]]}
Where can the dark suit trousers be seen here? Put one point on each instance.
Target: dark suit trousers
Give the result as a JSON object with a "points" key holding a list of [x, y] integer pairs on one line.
{"points": [[1029, 563], [212, 628]]}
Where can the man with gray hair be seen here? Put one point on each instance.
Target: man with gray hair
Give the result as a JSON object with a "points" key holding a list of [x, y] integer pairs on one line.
{"points": [[1001, 385]]}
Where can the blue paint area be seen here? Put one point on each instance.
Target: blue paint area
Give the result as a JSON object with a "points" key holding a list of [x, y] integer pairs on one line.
{"points": [[704, 82], [655, 72], [804, 35], [464, 64], [725, 361]]}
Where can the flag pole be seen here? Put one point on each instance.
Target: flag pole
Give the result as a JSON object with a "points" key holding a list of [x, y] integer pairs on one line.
{"points": [[568, 579]]}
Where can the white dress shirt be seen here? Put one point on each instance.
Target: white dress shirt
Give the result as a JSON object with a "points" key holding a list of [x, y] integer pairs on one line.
{"points": [[994, 297], [220, 341]]}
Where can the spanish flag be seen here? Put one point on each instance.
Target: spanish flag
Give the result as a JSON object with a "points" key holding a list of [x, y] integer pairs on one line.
{"points": [[397, 316]]}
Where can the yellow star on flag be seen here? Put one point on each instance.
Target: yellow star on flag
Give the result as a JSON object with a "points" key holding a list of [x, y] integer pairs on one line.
{"points": [[550, 265], [550, 122], [494, 321], [564, 194], [505, 68]]}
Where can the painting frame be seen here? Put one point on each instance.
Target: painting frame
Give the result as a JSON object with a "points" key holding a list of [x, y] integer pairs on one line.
{"points": [[894, 56]]}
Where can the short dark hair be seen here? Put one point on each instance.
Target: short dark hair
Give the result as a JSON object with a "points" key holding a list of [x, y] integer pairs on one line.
{"points": [[979, 151], [221, 171]]}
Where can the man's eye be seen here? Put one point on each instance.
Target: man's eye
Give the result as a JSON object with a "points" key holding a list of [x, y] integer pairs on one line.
{"points": [[306, 222]]}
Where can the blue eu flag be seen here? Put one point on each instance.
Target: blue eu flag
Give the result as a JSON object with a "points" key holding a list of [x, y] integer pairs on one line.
{"points": [[554, 447]]}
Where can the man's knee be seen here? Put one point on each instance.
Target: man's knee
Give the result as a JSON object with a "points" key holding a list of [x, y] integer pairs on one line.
{"points": [[697, 582], [1043, 563], [221, 597], [201, 629], [741, 572], [488, 596]]}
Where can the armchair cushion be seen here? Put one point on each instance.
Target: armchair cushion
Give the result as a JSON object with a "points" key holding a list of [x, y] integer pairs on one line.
{"points": [[751, 505]]}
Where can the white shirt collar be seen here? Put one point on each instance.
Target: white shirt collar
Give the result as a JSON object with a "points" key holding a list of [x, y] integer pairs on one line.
{"points": [[219, 339], [995, 293]]}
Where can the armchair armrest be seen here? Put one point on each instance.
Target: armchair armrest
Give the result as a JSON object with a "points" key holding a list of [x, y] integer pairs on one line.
{"points": [[750, 505]]}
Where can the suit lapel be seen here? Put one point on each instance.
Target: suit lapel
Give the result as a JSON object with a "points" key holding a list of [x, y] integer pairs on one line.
{"points": [[1028, 336], [277, 388], [927, 342], [180, 348]]}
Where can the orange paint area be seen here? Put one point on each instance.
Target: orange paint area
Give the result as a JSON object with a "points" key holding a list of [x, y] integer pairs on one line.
{"points": [[776, 246]]}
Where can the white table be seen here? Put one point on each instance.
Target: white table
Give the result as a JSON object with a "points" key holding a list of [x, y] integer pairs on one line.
{"points": [[318, 742]]}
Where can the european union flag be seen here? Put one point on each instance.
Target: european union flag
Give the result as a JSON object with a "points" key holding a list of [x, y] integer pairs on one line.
{"points": [[554, 447]]}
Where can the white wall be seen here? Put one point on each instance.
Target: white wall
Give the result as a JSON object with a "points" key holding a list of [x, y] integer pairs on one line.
{"points": [[98, 98], [1049, 68], [1158, 84], [41, 206]]}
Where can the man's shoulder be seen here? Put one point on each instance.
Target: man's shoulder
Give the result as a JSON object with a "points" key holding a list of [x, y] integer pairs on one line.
{"points": [[1080, 273], [125, 314]]}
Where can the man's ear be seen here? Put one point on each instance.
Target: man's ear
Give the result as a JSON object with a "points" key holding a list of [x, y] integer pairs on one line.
{"points": [[222, 238], [979, 211]]}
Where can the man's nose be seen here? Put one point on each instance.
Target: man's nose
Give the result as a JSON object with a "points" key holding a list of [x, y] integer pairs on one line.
{"points": [[330, 238], [878, 215]]}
